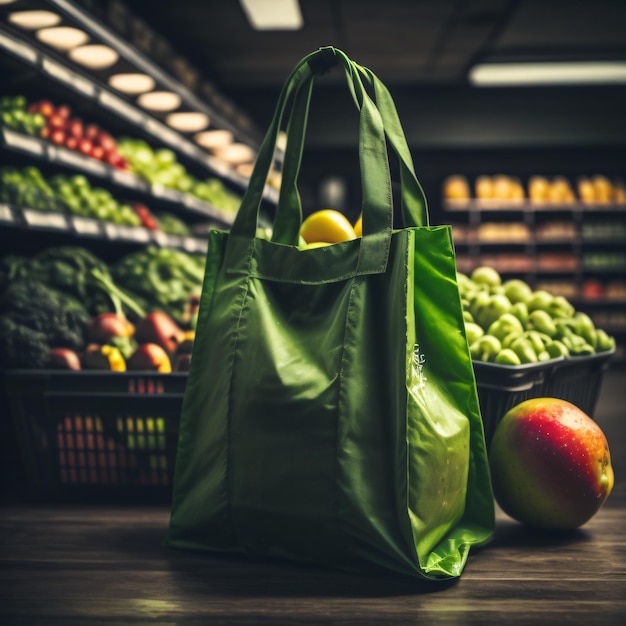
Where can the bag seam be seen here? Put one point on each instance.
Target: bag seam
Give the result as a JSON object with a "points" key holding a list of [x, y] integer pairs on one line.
{"points": [[340, 401], [245, 287]]}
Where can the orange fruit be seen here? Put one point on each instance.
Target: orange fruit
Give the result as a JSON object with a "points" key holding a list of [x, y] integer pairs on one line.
{"points": [[328, 226]]}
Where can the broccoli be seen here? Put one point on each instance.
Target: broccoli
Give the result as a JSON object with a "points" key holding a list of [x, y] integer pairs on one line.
{"points": [[21, 347], [12, 267], [36, 318]]}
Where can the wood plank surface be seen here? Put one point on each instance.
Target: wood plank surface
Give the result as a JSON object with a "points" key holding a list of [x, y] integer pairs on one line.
{"points": [[79, 564], [65, 565]]}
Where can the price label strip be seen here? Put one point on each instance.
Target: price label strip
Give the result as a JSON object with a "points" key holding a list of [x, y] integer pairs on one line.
{"points": [[86, 226], [167, 241], [45, 219], [128, 180], [77, 160], [23, 142], [128, 233], [191, 244], [167, 194], [65, 75], [18, 49], [116, 104], [6, 215], [163, 133]]}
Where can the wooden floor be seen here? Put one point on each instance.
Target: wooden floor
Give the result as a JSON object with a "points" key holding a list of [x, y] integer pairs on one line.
{"points": [[63, 565]]}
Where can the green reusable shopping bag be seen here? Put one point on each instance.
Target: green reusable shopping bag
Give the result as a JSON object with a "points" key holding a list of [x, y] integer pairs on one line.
{"points": [[331, 413]]}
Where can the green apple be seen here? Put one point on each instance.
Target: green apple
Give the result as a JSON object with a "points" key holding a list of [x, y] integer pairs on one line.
{"points": [[517, 290], [473, 332], [495, 307], [485, 275], [550, 464]]}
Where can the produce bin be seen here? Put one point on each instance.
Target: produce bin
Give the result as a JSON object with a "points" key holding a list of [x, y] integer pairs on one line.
{"points": [[96, 436], [500, 387], [112, 437]]}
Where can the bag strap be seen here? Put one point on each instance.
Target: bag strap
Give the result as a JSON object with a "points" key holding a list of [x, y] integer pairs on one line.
{"points": [[414, 204], [413, 199], [246, 220], [376, 180]]}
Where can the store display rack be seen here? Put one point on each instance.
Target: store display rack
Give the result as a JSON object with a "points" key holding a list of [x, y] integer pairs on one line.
{"points": [[577, 250], [88, 89], [37, 64]]}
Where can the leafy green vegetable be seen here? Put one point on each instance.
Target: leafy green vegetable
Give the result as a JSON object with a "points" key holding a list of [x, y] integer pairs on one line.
{"points": [[21, 347], [35, 318], [163, 278]]}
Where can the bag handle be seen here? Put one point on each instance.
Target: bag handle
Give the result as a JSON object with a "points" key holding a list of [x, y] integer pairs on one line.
{"points": [[414, 203], [413, 200], [376, 179], [246, 220]]}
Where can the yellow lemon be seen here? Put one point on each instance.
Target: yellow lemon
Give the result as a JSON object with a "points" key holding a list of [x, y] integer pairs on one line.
{"points": [[327, 225], [358, 227], [317, 244]]}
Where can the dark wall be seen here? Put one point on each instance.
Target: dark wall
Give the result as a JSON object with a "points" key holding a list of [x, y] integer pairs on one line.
{"points": [[520, 132]]}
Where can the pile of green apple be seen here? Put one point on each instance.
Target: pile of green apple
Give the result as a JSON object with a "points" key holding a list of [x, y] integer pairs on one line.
{"points": [[14, 114], [161, 167], [80, 198], [509, 323]]}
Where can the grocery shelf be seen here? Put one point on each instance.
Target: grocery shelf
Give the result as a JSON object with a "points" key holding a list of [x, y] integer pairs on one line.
{"points": [[602, 302], [526, 206], [27, 219], [141, 62], [568, 246], [90, 90], [44, 151]]}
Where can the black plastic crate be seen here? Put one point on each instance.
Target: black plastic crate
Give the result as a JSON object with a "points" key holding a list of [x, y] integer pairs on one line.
{"points": [[113, 436], [96, 436], [501, 387]]}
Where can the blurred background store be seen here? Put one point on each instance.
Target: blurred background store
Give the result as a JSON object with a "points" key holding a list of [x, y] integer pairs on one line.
{"points": [[129, 129]]}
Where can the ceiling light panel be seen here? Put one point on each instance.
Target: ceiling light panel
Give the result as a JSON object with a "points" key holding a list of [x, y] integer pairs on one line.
{"points": [[187, 122], [212, 139], [273, 14], [33, 20], [132, 83], [94, 57], [159, 101], [62, 37], [519, 74]]}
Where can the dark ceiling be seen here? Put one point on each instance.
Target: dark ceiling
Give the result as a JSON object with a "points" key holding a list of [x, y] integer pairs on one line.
{"points": [[403, 41], [422, 49]]}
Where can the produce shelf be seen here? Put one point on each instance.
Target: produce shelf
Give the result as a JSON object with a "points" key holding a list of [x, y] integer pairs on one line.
{"points": [[89, 89], [52, 221], [46, 152]]}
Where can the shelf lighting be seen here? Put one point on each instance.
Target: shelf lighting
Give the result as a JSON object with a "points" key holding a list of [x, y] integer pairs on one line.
{"points": [[273, 14], [236, 153], [34, 20], [62, 37], [579, 73], [213, 139], [187, 122], [133, 83], [159, 100], [95, 57]]}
